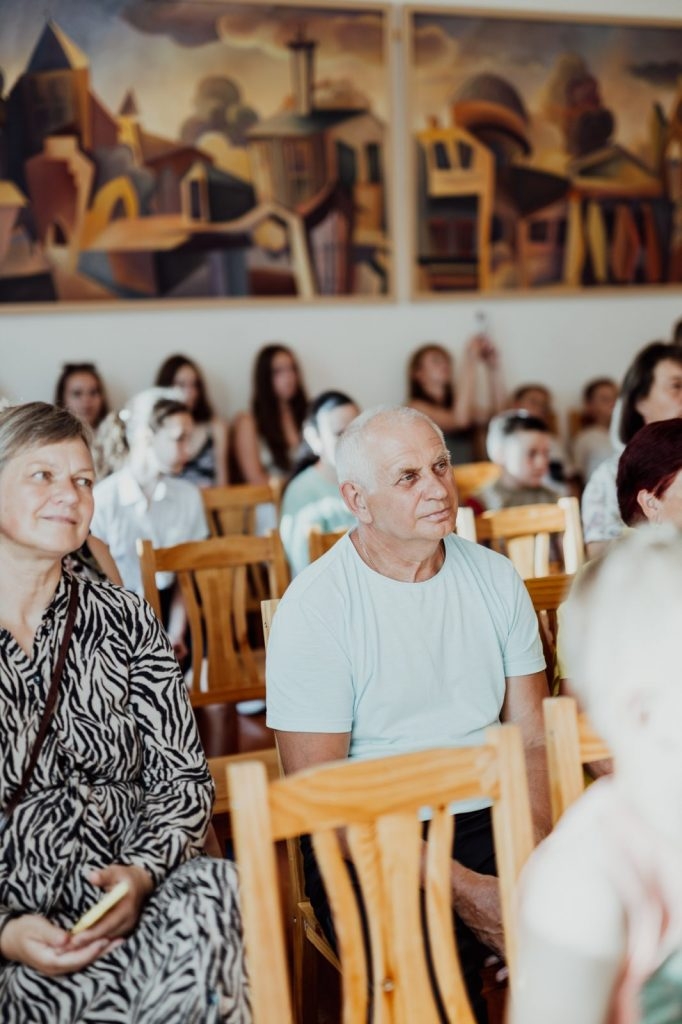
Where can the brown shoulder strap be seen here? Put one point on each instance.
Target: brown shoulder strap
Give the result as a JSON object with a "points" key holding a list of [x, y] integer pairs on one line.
{"points": [[50, 703]]}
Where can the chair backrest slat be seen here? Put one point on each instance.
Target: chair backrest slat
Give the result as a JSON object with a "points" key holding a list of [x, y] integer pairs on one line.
{"points": [[523, 533], [571, 743]]}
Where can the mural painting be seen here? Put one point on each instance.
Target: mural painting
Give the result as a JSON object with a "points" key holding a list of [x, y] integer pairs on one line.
{"points": [[188, 150], [548, 154]]}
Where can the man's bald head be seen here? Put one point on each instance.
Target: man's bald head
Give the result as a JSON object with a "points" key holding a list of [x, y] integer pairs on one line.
{"points": [[358, 453]]}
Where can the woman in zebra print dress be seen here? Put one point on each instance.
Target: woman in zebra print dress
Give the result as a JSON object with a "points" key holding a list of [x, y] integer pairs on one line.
{"points": [[121, 789]]}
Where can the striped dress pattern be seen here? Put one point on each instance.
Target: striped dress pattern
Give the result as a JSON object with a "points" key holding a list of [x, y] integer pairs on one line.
{"points": [[121, 778]]}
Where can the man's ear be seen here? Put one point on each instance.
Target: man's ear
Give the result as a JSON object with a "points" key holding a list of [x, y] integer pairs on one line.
{"points": [[355, 499]]}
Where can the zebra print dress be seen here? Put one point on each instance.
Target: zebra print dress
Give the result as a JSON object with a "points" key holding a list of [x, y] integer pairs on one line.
{"points": [[121, 778]]}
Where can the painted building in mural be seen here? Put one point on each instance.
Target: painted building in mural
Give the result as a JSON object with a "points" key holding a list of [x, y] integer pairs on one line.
{"points": [[93, 205]]}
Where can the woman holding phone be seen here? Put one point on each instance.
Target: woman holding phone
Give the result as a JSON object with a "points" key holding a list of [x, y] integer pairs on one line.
{"points": [[102, 777]]}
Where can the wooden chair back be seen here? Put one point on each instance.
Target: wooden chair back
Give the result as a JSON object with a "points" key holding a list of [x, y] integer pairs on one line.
{"points": [[320, 542], [547, 593], [472, 477], [377, 803], [523, 533], [212, 574], [571, 743], [232, 508]]}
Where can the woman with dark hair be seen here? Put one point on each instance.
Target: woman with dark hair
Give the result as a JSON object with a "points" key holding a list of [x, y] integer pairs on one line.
{"points": [[103, 782], [207, 463], [267, 440], [431, 389], [649, 481], [651, 392], [80, 389]]}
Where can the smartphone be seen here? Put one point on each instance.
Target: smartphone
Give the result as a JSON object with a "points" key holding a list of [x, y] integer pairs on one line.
{"points": [[102, 907]]}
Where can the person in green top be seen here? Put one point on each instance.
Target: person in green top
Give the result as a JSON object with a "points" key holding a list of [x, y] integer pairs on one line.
{"points": [[312, 497]]}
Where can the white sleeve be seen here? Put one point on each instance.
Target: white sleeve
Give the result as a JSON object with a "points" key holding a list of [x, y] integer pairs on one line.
{"points": [[599, 506], [197, 528], [309, 674]]}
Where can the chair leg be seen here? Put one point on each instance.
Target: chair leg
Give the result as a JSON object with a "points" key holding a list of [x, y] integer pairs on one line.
{"points": [[305, 963]]}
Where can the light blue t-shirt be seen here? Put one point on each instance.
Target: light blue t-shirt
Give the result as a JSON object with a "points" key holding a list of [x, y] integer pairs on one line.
{"points": [[401, 666]]}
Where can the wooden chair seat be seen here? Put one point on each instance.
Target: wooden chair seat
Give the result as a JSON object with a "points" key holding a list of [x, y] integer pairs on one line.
{"points": [[523, 534], [378, 804]]}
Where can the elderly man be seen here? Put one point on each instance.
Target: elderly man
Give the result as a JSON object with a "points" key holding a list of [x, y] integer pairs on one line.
{"points": [[405, 637]]}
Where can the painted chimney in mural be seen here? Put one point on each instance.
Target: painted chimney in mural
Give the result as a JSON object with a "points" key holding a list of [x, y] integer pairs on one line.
{"points": [[302, 70]]}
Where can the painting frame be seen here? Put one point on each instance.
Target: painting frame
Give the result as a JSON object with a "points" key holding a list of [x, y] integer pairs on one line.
{"points": [[339, 232], [435, 204]]}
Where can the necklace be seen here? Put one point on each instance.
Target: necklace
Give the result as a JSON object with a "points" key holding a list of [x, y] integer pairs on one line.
{"points": [[367, 558]]}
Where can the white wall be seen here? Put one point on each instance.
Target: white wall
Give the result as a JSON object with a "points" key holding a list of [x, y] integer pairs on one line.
{"points": [[359, 348]]}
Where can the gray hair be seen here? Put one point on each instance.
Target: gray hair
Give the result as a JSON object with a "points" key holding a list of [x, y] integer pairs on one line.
{"points": [[354, 450], [34, 424], [620, 628]]}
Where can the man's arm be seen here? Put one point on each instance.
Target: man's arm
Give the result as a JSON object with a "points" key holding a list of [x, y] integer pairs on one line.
{"points": [[476, 897], [299, 750], [523, 706]]}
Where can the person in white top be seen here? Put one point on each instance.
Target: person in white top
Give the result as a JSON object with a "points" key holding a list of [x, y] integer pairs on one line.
{"points": [[651, 391], [601, 899], [145, 500], [403, 637]]}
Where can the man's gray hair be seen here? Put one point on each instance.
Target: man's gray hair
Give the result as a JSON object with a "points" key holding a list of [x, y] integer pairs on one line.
{"points": [[354, 450]]}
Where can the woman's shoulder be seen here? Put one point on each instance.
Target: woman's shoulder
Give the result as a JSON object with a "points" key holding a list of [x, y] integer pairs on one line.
{"points": [[107, 595]]}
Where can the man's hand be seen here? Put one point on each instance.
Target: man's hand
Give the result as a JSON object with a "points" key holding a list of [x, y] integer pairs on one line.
{"points": [[476, 898], [32, 940], [122, 918]]}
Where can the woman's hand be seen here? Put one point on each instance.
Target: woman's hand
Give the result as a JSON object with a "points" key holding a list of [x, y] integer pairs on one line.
{"points": [[123, 917], [32, 940]]}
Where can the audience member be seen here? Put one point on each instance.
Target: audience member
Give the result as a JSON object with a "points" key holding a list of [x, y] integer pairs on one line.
{"points": [[403, 637], [520, 444], [312, 497], [207, 446], [649, 480], [267, 440], [601, 899], [108, 784], [651, 391], [536, 400], [146, 500], [80, 389], [592, 444], [432, 390]]}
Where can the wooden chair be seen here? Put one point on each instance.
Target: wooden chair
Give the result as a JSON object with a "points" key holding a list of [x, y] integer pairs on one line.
{"points": [[571, 743], [378, 803], [319, 543], [232, 508], [523, 533], [472, 477], [226, 667], [547, 593], [308, 939]]}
